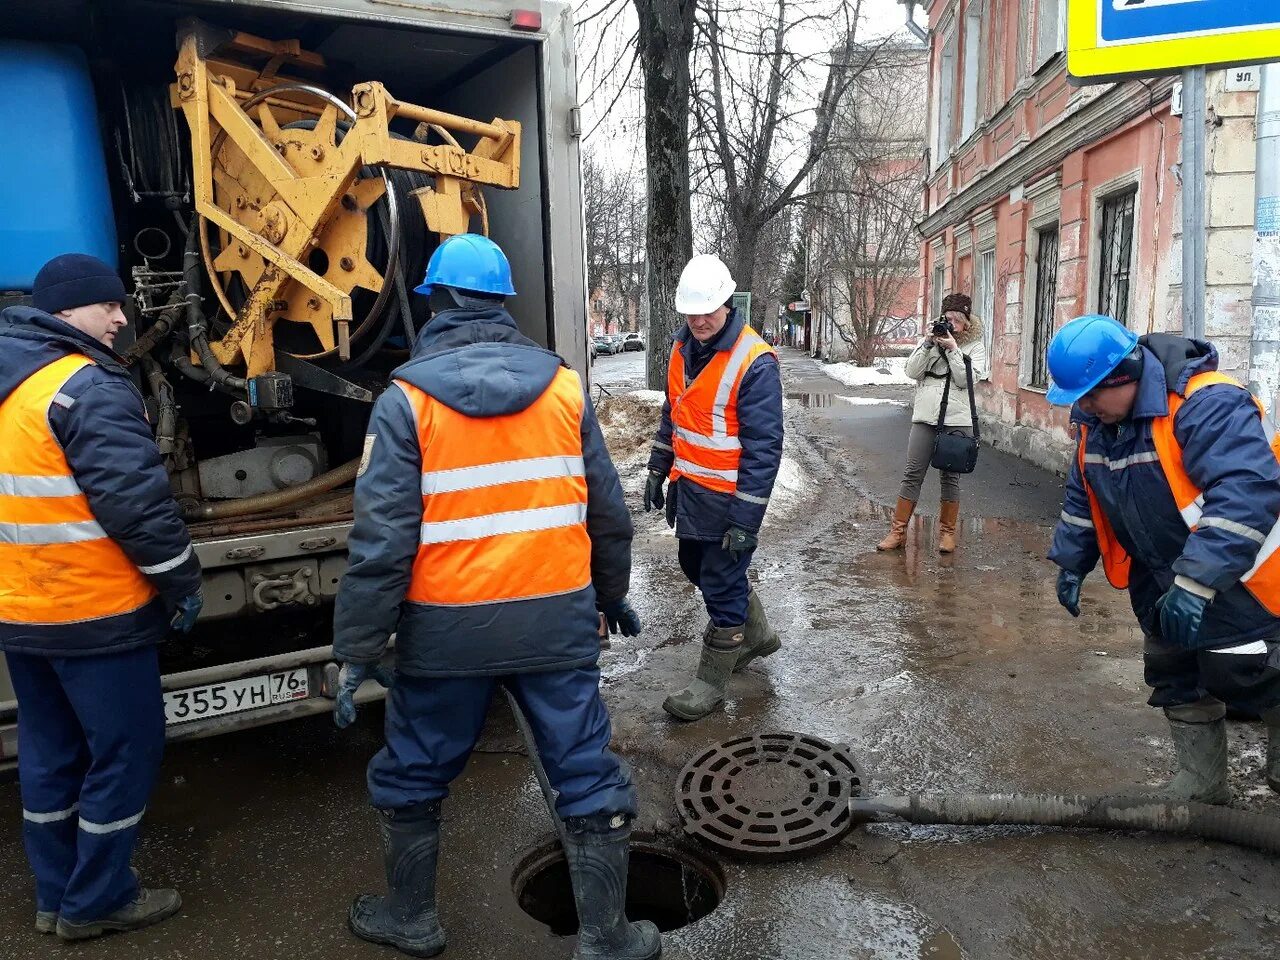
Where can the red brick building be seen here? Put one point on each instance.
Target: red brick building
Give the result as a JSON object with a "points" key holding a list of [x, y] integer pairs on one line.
{"points": [[1045, 201]]}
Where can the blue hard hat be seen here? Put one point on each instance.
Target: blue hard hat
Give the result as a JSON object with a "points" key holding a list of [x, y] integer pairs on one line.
{"points": [[469, 261], [1083, 353]]}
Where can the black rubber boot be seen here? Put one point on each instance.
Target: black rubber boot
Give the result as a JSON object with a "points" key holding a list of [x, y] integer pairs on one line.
{"points": [[1272, 719], [1202, 762], [761, 639], [406, 917], [598, 850]]}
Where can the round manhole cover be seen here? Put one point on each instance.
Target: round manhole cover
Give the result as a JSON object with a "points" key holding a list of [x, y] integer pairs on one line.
{"points": [[769, 796]]}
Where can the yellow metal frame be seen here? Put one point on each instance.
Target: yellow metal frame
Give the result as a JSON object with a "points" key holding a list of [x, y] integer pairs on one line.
{"points": [[301, 196], [1087, 60]]}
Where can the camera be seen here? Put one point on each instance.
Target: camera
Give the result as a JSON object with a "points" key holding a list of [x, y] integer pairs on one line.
{"points": [[942, 327]]}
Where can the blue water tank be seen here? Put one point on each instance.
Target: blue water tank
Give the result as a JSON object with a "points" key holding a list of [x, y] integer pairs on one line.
{"points": [[54, 196]]}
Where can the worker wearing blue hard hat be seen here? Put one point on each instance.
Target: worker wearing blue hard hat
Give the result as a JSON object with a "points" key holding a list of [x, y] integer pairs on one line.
{"points": [[492, 539], [1175, 487]]}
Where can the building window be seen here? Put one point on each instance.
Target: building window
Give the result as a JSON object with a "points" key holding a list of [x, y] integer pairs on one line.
{"points": [[935, 292], [1050, 25], [973, 72], [984, 297], [1116, 255], [946, 98], [1046, 298], [1024, 19]]}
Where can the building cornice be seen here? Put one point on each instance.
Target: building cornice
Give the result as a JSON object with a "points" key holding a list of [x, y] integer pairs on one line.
{"points": [[1092, 121]]}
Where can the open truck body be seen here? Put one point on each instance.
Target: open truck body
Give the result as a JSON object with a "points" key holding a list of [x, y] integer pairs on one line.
{"points": [[261, 651]]}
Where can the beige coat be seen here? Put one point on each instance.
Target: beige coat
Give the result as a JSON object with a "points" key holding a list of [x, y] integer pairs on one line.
{"points": [[927, 359]]}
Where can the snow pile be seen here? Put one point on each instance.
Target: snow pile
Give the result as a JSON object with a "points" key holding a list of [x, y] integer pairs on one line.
{"points": [[885, 373], [629, 421], [871, 401], [790, 489]]}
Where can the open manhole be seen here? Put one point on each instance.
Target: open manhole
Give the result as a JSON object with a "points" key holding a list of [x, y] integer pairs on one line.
{"points": [[668, 886], [770, 795]]}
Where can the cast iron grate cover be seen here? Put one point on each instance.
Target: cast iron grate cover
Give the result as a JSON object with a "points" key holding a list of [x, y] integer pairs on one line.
{"points": [[770, 795]]}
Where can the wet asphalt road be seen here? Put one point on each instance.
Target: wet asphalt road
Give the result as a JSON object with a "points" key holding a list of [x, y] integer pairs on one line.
{"points": [[940, 673]]}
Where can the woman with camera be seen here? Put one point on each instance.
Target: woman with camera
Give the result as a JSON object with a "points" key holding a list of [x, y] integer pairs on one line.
{"points": [[944, 366]]}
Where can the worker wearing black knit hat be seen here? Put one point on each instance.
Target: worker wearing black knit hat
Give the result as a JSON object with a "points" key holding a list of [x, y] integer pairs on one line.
{"points": [[95, 565]]}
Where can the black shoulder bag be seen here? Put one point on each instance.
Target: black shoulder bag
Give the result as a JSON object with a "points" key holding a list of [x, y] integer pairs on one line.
{"points": [[953, 452]]}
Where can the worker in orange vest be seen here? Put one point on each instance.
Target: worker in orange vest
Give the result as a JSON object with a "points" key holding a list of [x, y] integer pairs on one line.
{"points": [[1176, 489], [95, 565], [720, 444], [492, 539]]}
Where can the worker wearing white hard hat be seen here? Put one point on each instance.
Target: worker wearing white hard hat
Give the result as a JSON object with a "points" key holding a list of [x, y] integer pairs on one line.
{"points": [[720, 444]]}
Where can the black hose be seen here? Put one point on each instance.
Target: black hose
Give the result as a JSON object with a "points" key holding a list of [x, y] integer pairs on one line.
{"points": [[1159, 814], [197, 329]]}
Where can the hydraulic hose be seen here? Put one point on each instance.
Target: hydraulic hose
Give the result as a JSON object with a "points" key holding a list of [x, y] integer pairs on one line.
{"points": [[275, 501], [197, 329], [1178, 817]]}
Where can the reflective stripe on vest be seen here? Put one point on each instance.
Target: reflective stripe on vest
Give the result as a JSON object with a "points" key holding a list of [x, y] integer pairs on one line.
{"points": [[1263, 578], [504, 500], [704, 413], [57, 564]]}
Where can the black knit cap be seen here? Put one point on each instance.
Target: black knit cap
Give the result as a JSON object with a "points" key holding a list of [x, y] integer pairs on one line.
{"points": [[75, 280]]}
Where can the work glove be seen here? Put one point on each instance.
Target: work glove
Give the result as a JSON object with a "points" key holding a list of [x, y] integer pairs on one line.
{"points": [[738, 541], [620, 616], [186, 612], [1069, 591], [349, 679], [1180, 614], [653, 498]]}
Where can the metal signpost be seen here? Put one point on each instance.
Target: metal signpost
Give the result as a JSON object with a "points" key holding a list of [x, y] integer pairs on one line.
{"points": [[1112, 39]]}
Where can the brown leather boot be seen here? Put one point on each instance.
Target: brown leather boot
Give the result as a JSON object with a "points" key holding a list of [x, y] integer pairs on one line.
{"points": [[947, 518], [898, 532]]}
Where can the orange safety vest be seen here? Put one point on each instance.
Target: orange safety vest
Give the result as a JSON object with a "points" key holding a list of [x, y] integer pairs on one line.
{"points": [[504, 500], [1262, 580], [704, 413], [57, 565]]}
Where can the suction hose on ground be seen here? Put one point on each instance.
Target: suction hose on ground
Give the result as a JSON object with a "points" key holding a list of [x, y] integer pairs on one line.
{"points": [[1224, 824], [275, 501]]}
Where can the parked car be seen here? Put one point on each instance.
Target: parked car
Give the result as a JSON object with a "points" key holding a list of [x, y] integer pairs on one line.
{"points": [[605, 344], [632, 341]]}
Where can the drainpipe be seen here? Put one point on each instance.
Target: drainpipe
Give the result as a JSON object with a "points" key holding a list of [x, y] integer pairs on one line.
{"points": [[1264, 345], [920, 32]]}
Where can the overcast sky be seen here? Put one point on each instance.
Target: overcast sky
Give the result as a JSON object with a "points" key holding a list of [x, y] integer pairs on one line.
{"points": [[612, 115]]}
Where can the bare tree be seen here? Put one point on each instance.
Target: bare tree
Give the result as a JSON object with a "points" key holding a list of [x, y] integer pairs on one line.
{"points": [[865, 201], [758, 132], [614, 217]]}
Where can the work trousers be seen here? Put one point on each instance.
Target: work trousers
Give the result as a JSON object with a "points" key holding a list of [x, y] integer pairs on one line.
{"points": [[721, 578], [432, 724], [90, 739], [919, 453], [1244, 675]]}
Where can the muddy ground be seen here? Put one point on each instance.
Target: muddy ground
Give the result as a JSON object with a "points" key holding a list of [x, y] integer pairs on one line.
{"points": [[941, 674]]}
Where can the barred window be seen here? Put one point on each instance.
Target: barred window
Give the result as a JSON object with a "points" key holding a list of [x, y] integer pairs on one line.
{"points": [[1115, 258], [1046, 298]]}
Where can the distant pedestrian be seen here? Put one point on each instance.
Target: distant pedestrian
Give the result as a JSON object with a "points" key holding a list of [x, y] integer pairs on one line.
{"points": [[1176, 489], [720, 443], [943, 363], [95, 565]]}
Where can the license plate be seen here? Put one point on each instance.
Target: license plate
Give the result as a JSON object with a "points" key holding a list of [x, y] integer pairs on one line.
{"points": [[250, 693]]}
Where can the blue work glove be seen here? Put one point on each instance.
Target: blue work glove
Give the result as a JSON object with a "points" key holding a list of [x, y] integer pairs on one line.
{"points": [[620, 616], [349, 679], [186, 612], [1180, 614], [1069, 591], [738, 541], [653, 498]]}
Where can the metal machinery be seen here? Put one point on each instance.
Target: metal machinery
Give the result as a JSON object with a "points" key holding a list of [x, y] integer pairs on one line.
{"points": [[309, 214]]}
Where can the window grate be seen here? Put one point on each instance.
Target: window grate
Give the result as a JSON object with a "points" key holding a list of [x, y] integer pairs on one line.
{"points": [[1116, 255], [1046, 298]]}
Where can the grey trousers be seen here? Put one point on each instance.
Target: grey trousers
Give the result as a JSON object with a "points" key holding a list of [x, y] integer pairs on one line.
{"points": [[919, 452]]}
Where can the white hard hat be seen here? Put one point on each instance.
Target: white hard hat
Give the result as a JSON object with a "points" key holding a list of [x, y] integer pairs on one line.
{"points": [[705, 284]]}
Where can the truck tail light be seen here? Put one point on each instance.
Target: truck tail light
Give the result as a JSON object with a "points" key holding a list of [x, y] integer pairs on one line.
{"points": [[526, 20]]}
